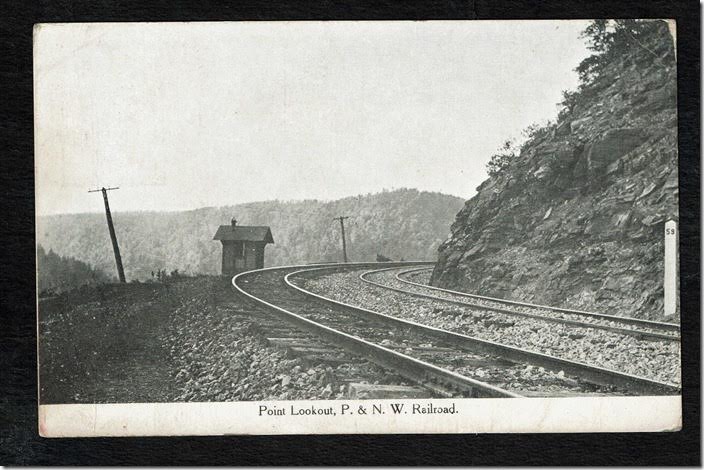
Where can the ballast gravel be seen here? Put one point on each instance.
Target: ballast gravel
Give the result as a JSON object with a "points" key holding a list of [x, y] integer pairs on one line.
{"points": [[388, 278], [219, 354], [654, 359]]}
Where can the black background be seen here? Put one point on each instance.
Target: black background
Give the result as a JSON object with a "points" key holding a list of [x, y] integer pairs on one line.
{"points": [[19, 441]]}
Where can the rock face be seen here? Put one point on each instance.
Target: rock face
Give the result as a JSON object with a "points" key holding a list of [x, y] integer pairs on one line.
{"points": [[576, 219]]}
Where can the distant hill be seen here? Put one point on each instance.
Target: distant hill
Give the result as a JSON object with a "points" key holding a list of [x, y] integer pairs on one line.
{"points": [[404, 223], [60, 273]]}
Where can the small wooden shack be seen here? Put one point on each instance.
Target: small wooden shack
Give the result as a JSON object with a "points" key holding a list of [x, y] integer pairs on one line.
{"points": [[242, 247]]}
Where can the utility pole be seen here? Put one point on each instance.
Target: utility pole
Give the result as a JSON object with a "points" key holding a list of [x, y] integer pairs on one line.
{"points": [[113, 237], [342, 226]]}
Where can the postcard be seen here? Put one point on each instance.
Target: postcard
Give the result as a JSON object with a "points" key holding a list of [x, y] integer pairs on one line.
{"points": [[344, 227]]}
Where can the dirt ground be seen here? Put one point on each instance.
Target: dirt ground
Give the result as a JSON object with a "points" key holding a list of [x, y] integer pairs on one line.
{"points": [[106, 344]]}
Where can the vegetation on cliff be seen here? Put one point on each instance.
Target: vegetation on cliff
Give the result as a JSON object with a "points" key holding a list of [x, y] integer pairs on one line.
{"points": [[575, 215]]}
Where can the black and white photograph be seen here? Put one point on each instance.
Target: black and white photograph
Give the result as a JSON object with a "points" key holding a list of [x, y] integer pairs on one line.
{"points": [[345, 227]]}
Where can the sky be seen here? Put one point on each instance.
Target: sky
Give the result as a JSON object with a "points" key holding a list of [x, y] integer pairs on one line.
{"points": [[187, 115]]}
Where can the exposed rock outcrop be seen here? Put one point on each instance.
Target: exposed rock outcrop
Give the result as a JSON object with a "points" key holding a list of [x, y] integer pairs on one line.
{"points": [[576, 219]]}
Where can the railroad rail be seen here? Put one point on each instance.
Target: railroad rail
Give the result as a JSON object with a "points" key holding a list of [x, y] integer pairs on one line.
{"points": [[327, 318], [579, 318], [441, 381], [359, 377]]}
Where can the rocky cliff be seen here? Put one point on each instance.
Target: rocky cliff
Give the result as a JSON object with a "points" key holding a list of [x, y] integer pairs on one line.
{"points": [[576, 217]]}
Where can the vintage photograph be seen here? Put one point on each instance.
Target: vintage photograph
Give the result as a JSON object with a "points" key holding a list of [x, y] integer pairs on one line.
{"points": [[357, 227]]}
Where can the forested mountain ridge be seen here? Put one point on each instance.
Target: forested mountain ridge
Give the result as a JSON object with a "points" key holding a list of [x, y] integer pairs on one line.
{"points": [[59, 273], [575, 216], [403, 223]]}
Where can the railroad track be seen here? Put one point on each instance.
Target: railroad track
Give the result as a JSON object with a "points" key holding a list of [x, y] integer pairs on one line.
{"points": [[344, 374], [625, 356], [622, 325], [447, 363], [271, 285]]}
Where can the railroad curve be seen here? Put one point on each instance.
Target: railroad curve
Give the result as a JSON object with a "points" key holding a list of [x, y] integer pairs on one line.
{"points": [[429, 356], [629, 325]]}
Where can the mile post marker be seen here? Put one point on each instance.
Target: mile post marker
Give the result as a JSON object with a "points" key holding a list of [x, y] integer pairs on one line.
{"points": [[670, 285]]}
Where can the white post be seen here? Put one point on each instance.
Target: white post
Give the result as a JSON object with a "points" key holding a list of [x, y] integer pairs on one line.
{"points": [[670, 282]]}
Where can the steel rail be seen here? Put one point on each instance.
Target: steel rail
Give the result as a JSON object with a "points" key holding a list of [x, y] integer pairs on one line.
{"points": [[587, 372], [627, 320], [506, 311], [427, 375]]}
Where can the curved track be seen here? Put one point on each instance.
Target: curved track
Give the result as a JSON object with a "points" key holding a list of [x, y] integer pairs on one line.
{"points": [[270, 285], [622, 325], [436, 359]]}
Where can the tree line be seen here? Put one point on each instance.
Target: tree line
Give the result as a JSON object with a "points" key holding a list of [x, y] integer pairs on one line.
{"points": [[404, 223]]}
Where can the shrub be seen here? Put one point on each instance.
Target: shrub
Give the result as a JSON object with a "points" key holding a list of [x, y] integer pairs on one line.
{"points": [[501, 159]]}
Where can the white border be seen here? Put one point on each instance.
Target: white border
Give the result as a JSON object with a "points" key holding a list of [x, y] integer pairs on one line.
{"points": [[488, 415]]}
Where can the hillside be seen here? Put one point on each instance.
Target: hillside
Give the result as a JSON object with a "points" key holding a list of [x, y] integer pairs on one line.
{"points": [[59, 273], [404, 223], [575, 216]]}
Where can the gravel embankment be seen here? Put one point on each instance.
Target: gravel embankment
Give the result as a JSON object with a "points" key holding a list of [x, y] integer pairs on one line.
{"points": [[658, 360], [389, 278], [189, 340], [219, 355]]}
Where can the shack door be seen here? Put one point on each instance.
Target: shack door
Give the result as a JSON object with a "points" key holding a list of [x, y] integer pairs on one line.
{"points": [[228, 259], [250, 254]]}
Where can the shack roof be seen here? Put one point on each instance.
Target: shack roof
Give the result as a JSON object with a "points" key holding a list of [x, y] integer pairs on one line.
{"points": [[244, 233]]}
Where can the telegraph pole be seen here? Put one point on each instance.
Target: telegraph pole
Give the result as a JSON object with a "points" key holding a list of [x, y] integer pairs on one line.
{"points": [[111, 228], [342, 226]]}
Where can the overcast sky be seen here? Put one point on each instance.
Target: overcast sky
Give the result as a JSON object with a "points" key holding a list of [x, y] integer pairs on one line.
{"points": [[186, 115]]}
